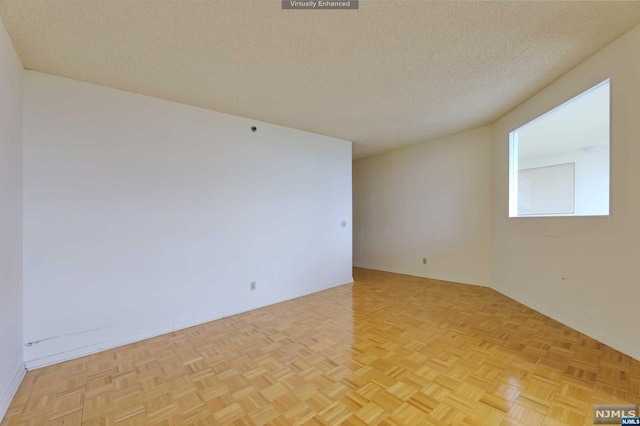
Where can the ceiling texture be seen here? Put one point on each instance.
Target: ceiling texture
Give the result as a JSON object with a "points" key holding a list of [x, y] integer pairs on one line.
{"points": [[390, 74]]}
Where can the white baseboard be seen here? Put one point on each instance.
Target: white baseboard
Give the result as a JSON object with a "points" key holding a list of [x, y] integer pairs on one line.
{"points": [[416, 274], [125, 340], [625, 347], [18, 371]]}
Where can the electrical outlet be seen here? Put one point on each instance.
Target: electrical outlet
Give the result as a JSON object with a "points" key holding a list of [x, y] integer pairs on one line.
{"points": [[424, 260], [253, 285]]}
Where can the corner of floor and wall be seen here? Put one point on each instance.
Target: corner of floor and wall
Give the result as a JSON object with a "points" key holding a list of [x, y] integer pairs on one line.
{"points": [[446, 201], [105, 242], [580, 271], [12, 367], [112, 258]]}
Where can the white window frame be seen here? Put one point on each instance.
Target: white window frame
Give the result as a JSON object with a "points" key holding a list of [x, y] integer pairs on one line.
{"points": [[513, 157]]}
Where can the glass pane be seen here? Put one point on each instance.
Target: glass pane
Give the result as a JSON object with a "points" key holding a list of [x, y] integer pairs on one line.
{"points": [[560, 161]]}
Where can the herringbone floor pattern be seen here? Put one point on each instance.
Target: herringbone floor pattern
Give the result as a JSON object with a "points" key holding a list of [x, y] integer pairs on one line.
{"points": [[389, 349]]}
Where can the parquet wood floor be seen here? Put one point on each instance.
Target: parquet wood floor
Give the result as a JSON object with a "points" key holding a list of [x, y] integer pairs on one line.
{"points": [[389, 349]]}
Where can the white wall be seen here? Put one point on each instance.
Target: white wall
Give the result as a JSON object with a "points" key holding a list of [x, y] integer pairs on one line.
{"points": [[579, 271], [11, 360], [428, 200], [142, 216], [591, 178]]}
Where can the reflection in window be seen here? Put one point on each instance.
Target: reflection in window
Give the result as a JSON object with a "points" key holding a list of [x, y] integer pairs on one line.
{"points": [[559, 162]]}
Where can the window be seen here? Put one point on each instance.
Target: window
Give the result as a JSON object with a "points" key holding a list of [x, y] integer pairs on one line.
{"points": [[559, 162]]}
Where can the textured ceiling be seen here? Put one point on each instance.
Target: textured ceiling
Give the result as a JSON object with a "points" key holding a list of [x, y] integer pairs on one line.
{"points": [[390, 74]]}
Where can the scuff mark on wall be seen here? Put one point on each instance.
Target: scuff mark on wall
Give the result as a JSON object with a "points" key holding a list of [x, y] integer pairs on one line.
{"points": [[35, 342]]}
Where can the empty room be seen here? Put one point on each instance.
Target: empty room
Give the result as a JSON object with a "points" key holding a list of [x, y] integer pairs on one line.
{"points": [[358, 212]]}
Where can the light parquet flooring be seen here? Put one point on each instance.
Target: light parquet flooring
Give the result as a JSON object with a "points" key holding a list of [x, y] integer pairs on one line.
{"points": [[389, 349]]}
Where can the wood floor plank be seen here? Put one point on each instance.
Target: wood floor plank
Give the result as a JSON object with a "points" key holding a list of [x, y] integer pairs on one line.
{"points": [[389, 349]]}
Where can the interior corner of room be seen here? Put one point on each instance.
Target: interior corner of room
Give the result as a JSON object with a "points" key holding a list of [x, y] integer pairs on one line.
{"points": [[125, 216]]}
